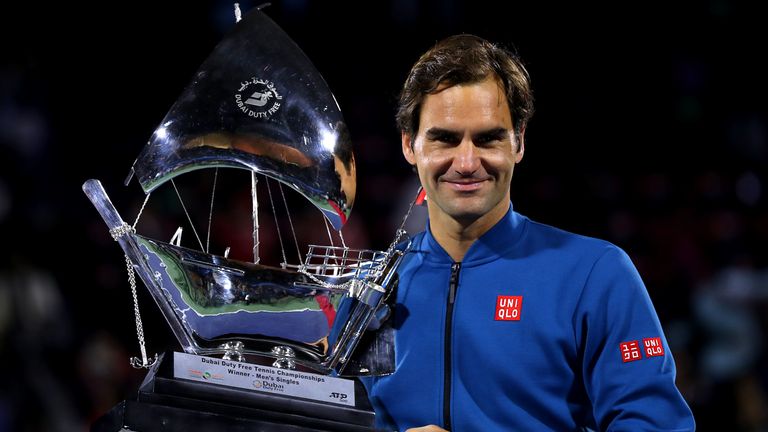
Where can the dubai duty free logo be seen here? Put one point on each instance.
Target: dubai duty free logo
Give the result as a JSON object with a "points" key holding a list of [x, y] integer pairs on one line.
{"points": [[258, 98]]}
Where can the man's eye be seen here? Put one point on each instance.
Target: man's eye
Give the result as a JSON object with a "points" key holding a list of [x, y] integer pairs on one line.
{"points": [[485, 140], [447, 139]]}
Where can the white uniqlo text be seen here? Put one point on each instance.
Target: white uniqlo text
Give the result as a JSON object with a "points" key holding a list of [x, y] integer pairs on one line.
{"points": [[653, 347], [508, 308]]}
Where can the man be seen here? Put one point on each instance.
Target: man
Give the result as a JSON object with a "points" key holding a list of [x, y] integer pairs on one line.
{"points": [[502, 323]]}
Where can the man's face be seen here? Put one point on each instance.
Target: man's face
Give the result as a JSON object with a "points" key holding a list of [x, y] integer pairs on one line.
{"points": [[465, 151]]}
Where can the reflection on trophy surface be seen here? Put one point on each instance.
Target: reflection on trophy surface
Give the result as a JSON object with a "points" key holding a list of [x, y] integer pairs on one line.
{"points": [[258, 104]]}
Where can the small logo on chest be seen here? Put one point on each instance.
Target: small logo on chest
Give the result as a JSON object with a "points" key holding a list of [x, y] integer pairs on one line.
{"points": [[508, 308]]}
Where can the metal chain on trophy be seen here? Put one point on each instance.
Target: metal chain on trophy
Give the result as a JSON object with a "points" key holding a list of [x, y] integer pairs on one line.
{"points": [[135, 361], [116, 233], [145, 363], [323, 283]]}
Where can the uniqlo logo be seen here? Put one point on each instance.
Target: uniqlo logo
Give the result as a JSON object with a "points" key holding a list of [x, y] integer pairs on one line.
{"points": [[630, 351], [653, 347], [508, 308]]}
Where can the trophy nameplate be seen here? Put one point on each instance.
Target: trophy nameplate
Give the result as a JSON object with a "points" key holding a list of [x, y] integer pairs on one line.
{"points": [[266, 379], [172, 399]]}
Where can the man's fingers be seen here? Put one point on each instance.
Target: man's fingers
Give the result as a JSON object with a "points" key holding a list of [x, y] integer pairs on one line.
{"points": [[429, 428]]}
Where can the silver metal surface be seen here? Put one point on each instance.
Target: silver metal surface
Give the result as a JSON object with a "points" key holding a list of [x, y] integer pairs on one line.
{"points": [[320, 311], [257, 103]]}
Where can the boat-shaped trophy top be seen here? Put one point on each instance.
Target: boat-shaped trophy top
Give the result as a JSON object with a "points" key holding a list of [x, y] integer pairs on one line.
{"points": [[257, 103]]}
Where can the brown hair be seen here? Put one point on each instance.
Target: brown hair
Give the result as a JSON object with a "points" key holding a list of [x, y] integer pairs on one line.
{"points": [[465, 59]]}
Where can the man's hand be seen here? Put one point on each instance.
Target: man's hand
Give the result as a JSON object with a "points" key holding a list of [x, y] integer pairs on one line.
{"points": [[430, 428]]}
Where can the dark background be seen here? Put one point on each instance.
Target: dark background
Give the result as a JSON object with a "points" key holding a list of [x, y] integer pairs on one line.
{"points": [[650, 132]]}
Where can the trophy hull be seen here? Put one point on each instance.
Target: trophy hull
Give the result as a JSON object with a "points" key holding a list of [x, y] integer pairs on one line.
{"points": [[217, 301], [218, 306], [217, 297]]}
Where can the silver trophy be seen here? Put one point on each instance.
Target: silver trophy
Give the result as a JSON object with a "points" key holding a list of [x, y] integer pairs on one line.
{"points": [[257, 103]]}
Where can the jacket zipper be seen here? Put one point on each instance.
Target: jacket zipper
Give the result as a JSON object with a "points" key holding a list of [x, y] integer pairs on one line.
{"points": [[452, 286]]}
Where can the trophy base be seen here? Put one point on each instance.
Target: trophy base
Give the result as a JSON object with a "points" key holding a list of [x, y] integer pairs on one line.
{"points": [[166, 403]]}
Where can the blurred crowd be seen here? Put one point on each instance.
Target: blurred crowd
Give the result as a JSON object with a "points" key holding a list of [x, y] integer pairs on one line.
{"points": [[660, 147]]}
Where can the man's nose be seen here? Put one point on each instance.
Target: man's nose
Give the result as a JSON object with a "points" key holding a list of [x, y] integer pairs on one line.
{"points": [[466, 160]]}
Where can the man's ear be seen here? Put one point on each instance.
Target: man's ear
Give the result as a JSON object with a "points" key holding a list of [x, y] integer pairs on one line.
{"points": [[406, 141], [520, 146]]}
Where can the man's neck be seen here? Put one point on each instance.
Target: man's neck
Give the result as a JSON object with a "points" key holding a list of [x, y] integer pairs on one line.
{"points": [[456, 236]]}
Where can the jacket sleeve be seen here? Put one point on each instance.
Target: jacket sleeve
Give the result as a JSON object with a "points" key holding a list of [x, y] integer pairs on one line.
{"points": [[627, 367]]}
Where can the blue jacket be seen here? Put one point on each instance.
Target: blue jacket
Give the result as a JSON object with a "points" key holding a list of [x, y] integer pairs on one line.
{"points": [[536, 329]]}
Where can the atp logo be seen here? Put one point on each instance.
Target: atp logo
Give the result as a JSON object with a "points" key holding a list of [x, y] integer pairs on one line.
{"points": [[339, 396]]}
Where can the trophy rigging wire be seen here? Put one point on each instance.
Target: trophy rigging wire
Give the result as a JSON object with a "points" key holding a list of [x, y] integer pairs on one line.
{"points": [[210, 213], [255, 217], [141, 210], [255, 221], [277, 225], [189, 218], [290, 221]]}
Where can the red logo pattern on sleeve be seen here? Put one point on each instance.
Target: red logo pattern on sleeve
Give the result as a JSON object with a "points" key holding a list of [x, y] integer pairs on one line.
{"points": [[630, 351]]}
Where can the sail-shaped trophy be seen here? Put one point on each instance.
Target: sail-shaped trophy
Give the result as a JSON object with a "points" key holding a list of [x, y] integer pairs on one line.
{"points": [[257, 103]]}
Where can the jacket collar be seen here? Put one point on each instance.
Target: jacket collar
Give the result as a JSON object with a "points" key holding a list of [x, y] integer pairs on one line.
{"points": [[501, 238]]}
